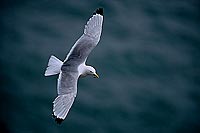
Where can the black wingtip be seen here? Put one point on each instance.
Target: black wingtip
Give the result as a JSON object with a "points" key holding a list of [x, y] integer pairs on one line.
{"points": [[58, 120], [98, 11]]}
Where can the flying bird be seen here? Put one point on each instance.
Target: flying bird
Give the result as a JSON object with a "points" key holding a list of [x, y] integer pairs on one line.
{"points": [[74, 66]]}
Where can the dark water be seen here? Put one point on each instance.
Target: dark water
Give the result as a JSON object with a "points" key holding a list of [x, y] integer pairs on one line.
{"points": [[148, 60]]}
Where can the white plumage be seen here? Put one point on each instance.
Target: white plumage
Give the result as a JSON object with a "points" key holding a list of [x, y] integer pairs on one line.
{"points": [[74, 66]]}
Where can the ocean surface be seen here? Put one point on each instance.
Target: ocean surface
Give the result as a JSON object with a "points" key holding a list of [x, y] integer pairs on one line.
{"points": [[148, 60]]}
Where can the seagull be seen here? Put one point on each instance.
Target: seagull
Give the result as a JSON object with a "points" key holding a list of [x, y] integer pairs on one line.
{"points": [[74, 66]]}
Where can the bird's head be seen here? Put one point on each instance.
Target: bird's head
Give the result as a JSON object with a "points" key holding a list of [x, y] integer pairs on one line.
{"points": [[92, 71]]}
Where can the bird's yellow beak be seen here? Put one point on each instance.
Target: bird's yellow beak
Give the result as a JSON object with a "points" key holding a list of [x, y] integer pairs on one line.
{"points": [[96, 75]]}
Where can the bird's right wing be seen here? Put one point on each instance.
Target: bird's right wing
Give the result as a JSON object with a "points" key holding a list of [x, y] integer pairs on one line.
{"points": [[88, 41], [93, 27]]}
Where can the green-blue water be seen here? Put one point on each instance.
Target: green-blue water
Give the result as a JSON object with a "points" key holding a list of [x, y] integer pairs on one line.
{"points": [[148, 60]]}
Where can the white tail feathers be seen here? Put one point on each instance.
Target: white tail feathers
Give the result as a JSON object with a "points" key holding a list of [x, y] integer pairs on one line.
{"points": [[62, 105], [54, 66]]}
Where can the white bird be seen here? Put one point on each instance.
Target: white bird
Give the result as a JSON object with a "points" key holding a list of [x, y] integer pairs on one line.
{"points": [[74, 66]]}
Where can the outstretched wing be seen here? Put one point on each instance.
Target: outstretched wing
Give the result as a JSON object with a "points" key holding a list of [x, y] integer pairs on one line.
{"points": [[86, 43], [67, 90]]}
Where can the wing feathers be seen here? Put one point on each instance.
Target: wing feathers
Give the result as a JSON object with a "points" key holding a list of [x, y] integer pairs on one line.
{"points": [[89, 39], [94, 26], [62, 105]]}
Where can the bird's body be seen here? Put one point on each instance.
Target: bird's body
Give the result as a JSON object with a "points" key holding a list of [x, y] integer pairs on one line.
{"points": [[74, 66]]}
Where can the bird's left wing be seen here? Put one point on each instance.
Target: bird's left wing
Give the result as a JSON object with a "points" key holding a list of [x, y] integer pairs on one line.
{"points": [[67, 90]]}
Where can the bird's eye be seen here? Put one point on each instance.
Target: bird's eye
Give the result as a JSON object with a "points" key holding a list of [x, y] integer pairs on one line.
{"points": [[91, 71]]}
